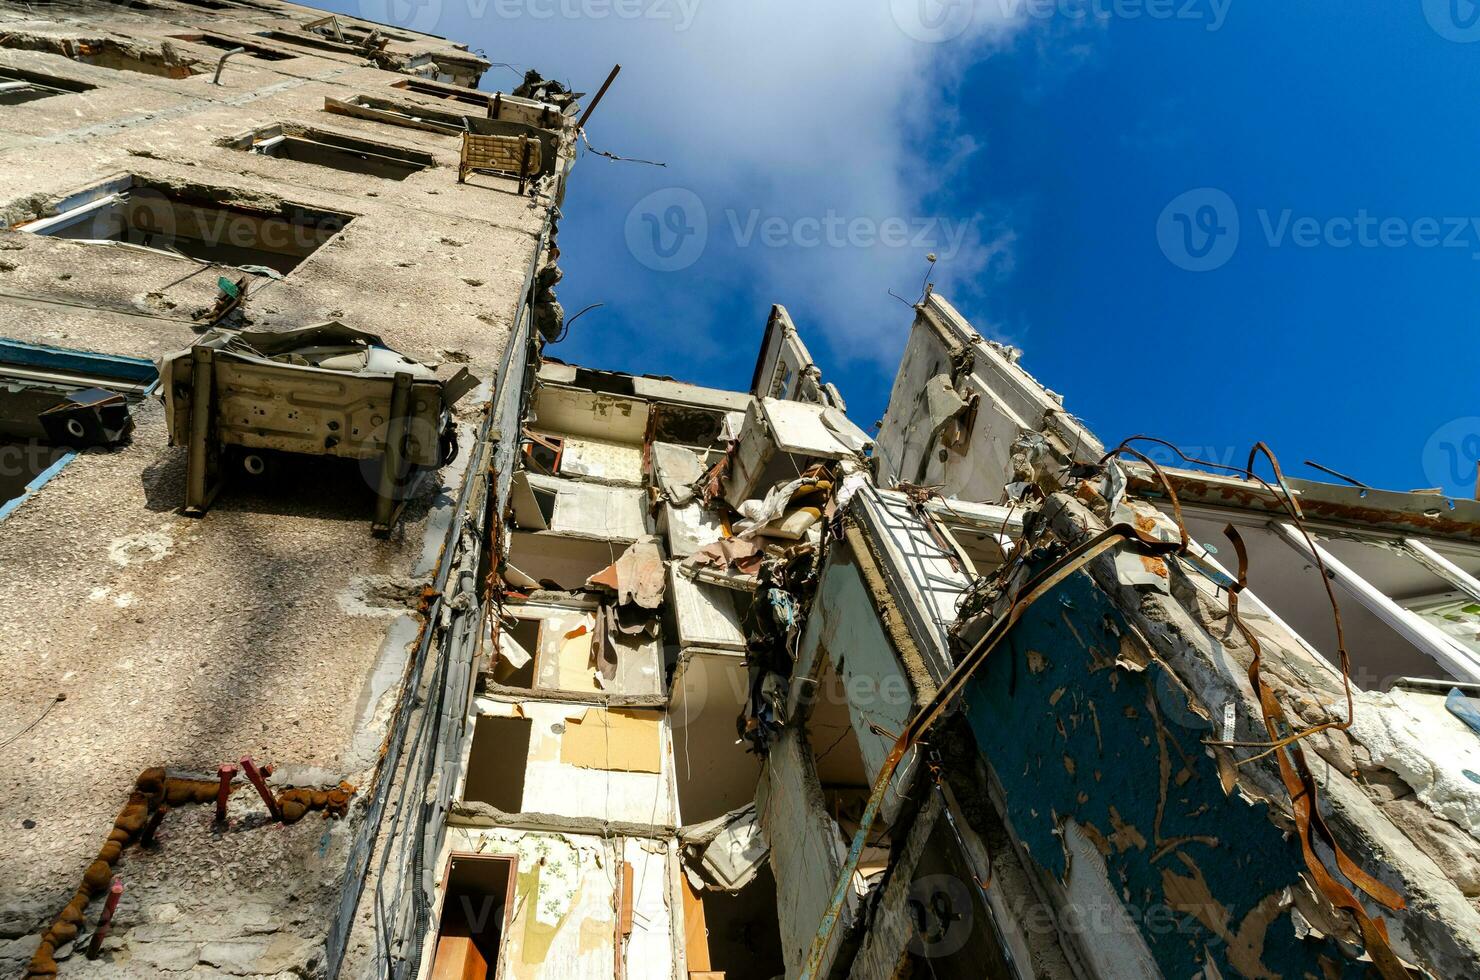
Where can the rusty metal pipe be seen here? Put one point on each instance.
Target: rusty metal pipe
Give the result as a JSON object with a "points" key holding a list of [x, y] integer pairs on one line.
{"points": [[146, 838], [222, 64], [258, 781], [599, 93], [95, 945], [226, 773]]}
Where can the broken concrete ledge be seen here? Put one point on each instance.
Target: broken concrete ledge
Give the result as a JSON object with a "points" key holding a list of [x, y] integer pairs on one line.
{"points": [[521, 694], [475, 814]]}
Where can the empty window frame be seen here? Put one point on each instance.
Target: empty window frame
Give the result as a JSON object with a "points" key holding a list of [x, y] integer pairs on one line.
{"points": [[127, 210], [310, 40], [108, 53], [231, 44], [1403, 615], [452, 92], [326, 149], [399, 114], [18, 85], [54, 402]]}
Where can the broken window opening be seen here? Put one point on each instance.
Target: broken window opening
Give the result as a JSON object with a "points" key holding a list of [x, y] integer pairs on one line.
{"points": [[326, 149], [714, 774], [160, 218], [450, 92], [1286, 582], [55, 402], [513, 662], [734, 935], [477, 908], [951, 936], [231, 44], [542, 453], [572, 647], [310, 40], [838, 759], [163, 62], [17, 85], [497, 761]]}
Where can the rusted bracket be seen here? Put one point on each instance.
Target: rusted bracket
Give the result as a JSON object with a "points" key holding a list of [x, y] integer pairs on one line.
{"points": [[387, 506], [202, 481]]}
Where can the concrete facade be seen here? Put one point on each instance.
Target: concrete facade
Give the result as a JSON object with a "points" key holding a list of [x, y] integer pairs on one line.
{"points": [[276, 625], [647, 680]]}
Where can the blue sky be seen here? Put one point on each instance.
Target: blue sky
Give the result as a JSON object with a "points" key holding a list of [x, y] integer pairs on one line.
{"points": [[1213, 221]]}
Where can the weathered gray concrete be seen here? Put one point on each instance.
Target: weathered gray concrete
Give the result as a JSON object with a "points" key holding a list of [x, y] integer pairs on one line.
{"points": [[259, 628]]}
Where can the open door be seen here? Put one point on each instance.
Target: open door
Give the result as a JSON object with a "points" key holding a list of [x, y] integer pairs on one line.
{"points": [[475, 916]]}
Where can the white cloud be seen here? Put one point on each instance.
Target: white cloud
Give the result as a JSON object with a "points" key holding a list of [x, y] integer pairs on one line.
{"points": [[796, 112]]}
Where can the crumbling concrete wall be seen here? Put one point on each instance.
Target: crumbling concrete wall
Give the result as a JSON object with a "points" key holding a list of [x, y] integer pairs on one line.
{"points": [[1119, 683], [960, 408], [275, 625], [806, 851]]}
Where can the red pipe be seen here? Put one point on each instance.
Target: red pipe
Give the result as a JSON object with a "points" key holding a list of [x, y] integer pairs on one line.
{"points": [[114, 894], [226, 772], [256, 777]]}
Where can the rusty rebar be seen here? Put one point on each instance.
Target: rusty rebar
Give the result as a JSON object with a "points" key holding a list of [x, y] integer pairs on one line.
{"points": [[146, 838], [250, 769], [95, 945], [226, 772]]}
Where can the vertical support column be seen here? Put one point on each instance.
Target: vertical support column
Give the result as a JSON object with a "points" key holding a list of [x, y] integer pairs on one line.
{"points": [[386, 506], [200, 488], [524, 151]]}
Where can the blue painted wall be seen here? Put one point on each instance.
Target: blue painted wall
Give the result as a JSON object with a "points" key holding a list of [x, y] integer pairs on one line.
{"points": [[1070, 734]]}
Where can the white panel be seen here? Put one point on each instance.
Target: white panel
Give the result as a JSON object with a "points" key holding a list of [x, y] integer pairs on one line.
{"points": [[593, 510], [649, 953], [706, 614], [800, 429], [687, 529]]}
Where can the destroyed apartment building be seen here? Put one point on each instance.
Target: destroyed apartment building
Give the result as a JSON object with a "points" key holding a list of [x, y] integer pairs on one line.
{"points": [[351, 632]]}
